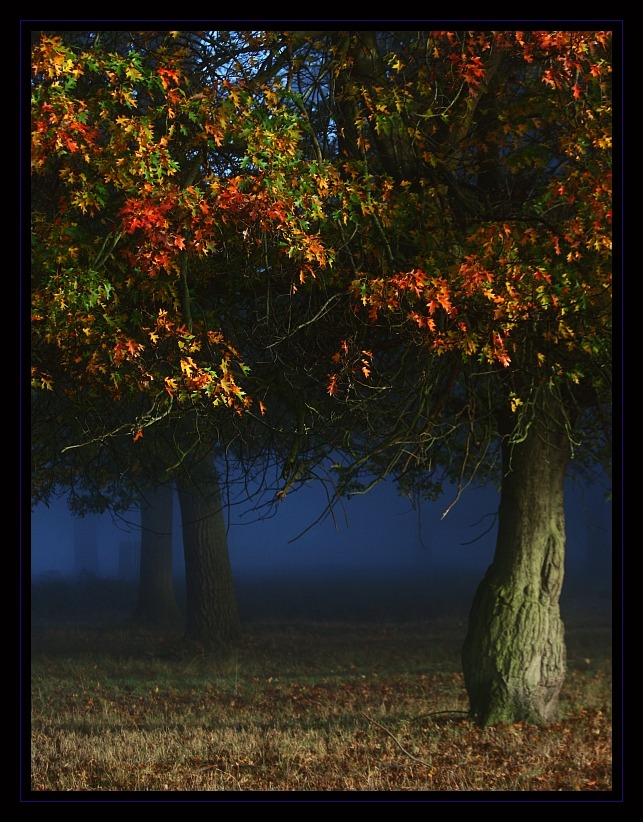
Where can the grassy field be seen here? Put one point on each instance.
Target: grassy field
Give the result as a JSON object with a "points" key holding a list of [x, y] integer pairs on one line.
{"points": [[302, 705]]}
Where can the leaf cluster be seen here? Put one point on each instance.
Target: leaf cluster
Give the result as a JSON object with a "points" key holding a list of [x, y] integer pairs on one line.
{"points": [[368, 244]]}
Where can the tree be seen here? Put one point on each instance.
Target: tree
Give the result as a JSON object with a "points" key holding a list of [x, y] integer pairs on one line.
{"points": [[212, 610], [496, 270], [398, 243], [156, 602], [117, 338]]}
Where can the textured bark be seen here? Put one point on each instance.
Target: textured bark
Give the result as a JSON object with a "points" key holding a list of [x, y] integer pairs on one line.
{"points": [[156, 604], [212, 618], [514, 657]]}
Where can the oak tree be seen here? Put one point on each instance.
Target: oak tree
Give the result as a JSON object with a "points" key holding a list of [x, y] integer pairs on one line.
{"points": [[396, 243]]}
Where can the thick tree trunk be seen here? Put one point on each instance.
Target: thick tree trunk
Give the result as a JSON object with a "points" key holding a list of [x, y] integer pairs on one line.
{"points": [[156, 604], [514, 657], [212, 619]]}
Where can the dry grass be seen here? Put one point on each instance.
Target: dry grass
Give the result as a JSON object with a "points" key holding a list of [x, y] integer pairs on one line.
{"points": [[313, 706]]}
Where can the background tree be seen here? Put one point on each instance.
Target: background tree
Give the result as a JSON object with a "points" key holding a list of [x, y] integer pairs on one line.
{"points": [[156, 603], [397, 243]]}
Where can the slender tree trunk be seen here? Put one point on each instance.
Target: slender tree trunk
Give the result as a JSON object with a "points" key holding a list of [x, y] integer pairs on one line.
{"points": [[86, 546], [212, 619], [514, 657], [156, 604]]}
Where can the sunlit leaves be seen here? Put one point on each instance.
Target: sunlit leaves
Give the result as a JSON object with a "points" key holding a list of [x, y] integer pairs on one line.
{"points": [[401, 219], [130, 157], [513, 287]]}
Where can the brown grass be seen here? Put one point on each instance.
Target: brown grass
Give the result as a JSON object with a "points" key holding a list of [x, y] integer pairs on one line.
{"points": [[310, 706]]}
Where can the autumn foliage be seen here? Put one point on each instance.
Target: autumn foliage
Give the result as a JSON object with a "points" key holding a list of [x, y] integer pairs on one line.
{"points": [[115, 214], [518, 269], [136, 169]]}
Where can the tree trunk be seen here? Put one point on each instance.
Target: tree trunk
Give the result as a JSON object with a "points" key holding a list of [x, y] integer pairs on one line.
{"points": [[85, 546], [212, 618], [156, 604], [514, 657]]}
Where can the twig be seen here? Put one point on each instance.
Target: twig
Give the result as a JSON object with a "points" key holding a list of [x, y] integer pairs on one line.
{"points": [[397, 741]]}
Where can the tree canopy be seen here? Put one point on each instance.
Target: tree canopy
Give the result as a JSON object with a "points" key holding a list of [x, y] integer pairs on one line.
{"points": [[385, 252], [445, 193]]}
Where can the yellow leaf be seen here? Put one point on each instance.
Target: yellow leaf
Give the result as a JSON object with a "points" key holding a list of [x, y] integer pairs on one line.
{"points": [[188, 366]]}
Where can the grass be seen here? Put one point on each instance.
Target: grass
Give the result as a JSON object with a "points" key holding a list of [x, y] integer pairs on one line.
{"points": [[301, 705]]}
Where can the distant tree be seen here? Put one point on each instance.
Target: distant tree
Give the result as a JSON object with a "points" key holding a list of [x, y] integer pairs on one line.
{"points": [[85, 547], [388, 249], [156, 601]]}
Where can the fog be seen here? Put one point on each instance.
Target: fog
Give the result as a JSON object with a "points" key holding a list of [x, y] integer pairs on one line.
{"points": [[378, 534]]}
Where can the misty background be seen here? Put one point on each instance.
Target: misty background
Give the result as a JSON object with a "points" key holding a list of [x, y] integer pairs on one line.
{"points": [[379, 554]]}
